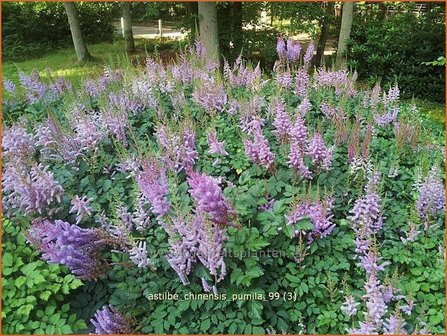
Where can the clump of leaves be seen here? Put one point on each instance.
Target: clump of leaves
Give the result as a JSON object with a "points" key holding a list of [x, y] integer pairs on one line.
{"points": [[34, 292]]}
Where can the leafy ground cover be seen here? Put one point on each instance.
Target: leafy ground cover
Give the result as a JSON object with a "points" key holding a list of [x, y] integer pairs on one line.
{"points": [[175, 198]]}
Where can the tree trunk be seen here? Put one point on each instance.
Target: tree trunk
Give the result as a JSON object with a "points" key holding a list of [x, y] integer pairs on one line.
{"points": [[345, 32], [127, 27], [209, 34], [193, 14], [324, 34], [76, 33], [237, 27]]}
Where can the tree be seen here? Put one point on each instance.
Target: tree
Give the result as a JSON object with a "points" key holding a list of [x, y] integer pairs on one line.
{"points": [[76, 33], [345, 32], [325, 22], [193, 15], [209, 34], [127, 27]]}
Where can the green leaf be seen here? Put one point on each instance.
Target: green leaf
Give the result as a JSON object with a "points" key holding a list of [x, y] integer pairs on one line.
{"points": [[205, 325], [20, 281], [7, 260], [304, 225], [258, 330]]}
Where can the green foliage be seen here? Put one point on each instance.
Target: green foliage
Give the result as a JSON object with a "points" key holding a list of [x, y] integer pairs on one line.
{"points": [[34, 299], [392, 49]]}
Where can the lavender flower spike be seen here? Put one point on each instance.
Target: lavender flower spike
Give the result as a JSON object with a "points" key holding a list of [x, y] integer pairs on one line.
{"points": [[258, 150], [108, 320], [209, 197], [431, 200], [79, 249], [349, 307], [82, 207], [138, 254], [216, 147], [154, 185], [319, 153]]}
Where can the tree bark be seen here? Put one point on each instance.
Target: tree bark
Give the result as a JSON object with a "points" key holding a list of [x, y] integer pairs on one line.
{"points": [[127, 27], [345, 32], [193, 13], [324, 34], [209, 34], [76, 33], [237, 26]]}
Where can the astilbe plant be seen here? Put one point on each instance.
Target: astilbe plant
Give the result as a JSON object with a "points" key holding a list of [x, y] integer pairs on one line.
{"points": [[79, 249], [31, 189], [141, 115], [298, 138], [207, 193], [258, 150], [17, 142], [367, 223], [138, 254], [81, 206], [153, 183], [320, 155], [282, 121], [216, 146], [178, 147], [108, 320], [183, 233], [211, 97], [210, 250], [318, 212], [431, 199], [240, 75]]}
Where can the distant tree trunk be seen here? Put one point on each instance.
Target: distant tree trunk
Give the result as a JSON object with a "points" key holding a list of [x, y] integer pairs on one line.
{"points": [[127, 27], [209, 34], [324, 34], [237, 26], [193, 12], [76, 33], [345, 32]]}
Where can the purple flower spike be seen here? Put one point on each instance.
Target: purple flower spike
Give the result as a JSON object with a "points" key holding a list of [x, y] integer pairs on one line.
{"points": [[17, 142], [82, 207], [349, 307], [210, 249], [79, 249], [108, 320], [216, 147], [293, 50], [9, 86], [209, 197], [296, 160], [394, 325], [153, 184], [431, 200], [281, 48], [309, 54], [318, 212], [298, 132], [319, 153], [282, 121]]}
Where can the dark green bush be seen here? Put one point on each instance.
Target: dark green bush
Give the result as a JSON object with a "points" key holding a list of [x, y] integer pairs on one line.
{"points": [[34, 28], [393, 49]]}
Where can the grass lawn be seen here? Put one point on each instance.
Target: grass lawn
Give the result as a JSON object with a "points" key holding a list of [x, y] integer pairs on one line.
{"points": [[63, 62]]}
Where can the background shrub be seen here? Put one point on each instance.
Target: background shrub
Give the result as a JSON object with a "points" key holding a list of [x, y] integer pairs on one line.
{"points": [[394, 48]]}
